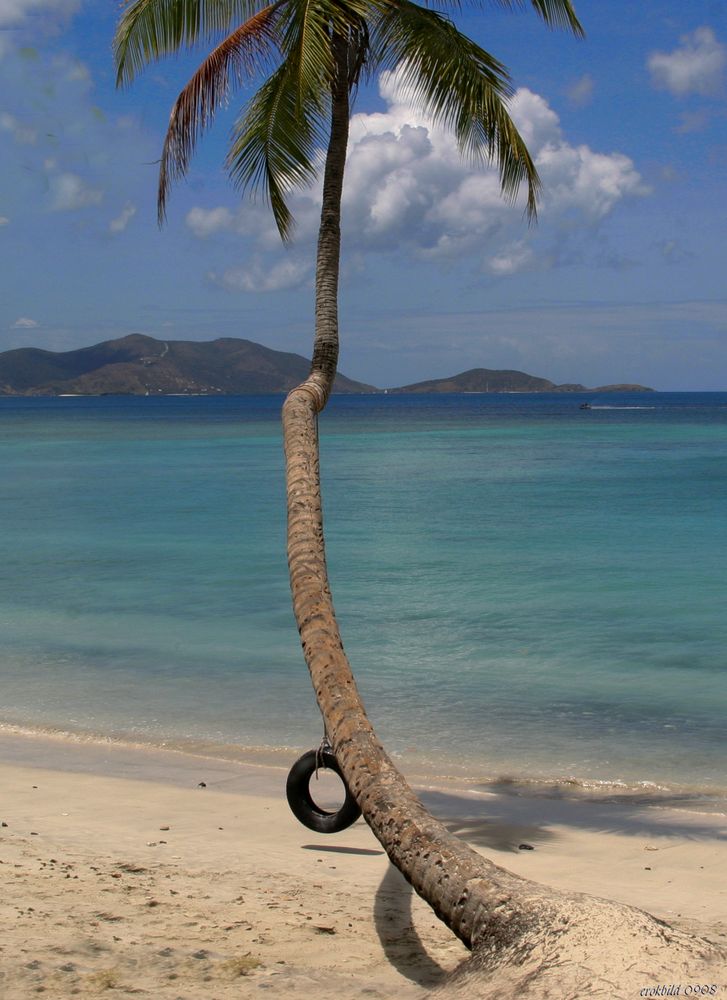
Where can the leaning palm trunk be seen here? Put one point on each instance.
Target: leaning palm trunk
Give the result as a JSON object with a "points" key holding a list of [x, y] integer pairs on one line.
{"points": [[527, 939], [540, 942], [534, 940]]}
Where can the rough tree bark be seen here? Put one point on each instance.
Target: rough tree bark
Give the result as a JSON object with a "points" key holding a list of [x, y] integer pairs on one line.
{"points": [[526, 939]]}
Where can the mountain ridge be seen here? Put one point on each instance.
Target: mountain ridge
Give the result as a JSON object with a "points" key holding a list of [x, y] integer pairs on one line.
{"points": [[141, 365]]}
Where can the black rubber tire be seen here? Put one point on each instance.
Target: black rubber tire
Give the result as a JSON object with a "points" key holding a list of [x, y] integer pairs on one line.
{"points": [[300, 800]]}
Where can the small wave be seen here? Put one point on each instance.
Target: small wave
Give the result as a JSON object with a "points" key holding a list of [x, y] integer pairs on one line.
{"points": [[605, 407], [268, 756]]}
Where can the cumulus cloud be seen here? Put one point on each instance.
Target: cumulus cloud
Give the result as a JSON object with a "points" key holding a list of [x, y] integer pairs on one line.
{"points": [[119, 224], [695, 67], [69, 192], [407, 184], [408, 188], [24, 323]]}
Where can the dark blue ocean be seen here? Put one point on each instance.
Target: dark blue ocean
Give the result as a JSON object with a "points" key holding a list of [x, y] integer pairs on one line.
{"points": [[524, 588]]}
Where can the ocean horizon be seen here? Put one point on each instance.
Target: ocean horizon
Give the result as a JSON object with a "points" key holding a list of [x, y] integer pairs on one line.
{"points": [[527, 591]]}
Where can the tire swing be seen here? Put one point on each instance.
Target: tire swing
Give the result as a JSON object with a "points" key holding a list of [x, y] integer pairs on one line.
{"points": [[304, 807]]}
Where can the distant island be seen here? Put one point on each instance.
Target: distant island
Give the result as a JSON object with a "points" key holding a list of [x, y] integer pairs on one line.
{"points": [[495, 380], [144, 366]]}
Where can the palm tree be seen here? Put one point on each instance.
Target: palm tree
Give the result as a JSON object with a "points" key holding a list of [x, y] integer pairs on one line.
{"points": [[311, 55]]}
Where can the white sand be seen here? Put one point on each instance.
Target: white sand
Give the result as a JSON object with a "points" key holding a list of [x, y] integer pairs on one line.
{"points": [[121, 876]]}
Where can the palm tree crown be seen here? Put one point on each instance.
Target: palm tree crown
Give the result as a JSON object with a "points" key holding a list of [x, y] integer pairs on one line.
{"points": [[299, 50]]}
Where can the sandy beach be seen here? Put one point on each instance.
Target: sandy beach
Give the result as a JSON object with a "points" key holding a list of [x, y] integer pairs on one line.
{"points": [[154, 873]]}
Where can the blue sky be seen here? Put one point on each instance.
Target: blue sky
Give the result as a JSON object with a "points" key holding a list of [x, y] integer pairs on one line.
{"points": [[623, 278]]}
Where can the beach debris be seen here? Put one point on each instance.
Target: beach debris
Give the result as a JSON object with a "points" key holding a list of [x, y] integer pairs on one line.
{"points": [[3, 823], [525, 847], [104, 979], [241, 966], [165, 828], [647, 869], [322, 929], [650, 847], [202, 784]]}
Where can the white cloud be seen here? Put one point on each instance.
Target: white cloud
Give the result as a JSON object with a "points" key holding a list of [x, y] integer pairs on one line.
{"points": [[46, 15], [205, 222], [70, 192], [79, 161], [258, 277], [14, 12], [576, 179], [407, 188], [119, 224], [406, 184], [24, 323], [513, 258], [24, 135], [580, 92], [696, 67], [4, 220]]}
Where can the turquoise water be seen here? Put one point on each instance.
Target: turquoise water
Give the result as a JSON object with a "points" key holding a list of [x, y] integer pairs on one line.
{"points": [[524, 588]]}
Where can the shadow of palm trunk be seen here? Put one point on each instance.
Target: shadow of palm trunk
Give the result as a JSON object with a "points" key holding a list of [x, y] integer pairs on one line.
{"points": [[394, 925]]}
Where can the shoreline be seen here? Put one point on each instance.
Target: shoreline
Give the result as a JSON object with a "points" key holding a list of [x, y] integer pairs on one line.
{"points": [[16, 741], [184, 890]]}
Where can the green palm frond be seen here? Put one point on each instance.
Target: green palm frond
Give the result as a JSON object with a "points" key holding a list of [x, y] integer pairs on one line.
{"points": [[457, 84], [306, 43], [276, 139], [559, 14], [555, 13], [234, 61], [308, 27], [150, 29]]}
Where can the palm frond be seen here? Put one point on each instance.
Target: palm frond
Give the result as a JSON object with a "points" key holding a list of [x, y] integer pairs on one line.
{"points": [[234, 61], [306, 43], [555, 13], [275, 141], [150, 29], [459, 84]]}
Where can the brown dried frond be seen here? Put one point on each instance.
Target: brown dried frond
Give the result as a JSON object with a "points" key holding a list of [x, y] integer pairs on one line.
{"points": [[234, 61]]}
